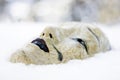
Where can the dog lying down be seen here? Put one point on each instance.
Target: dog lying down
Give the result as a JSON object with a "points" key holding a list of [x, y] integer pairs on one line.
{"points": [[63, 43]]}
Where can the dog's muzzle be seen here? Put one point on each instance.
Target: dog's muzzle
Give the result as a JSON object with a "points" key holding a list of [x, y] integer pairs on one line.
{"points": [[41, 44]]}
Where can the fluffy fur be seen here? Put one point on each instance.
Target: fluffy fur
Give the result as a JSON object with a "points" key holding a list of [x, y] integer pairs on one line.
{"points": [[65, 42]]}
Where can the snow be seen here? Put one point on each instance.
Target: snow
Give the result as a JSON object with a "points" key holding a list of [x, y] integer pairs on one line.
{"points": [[102, 66]]}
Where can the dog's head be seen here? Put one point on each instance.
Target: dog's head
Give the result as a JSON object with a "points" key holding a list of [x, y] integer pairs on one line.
{"points": [[56, 45]]}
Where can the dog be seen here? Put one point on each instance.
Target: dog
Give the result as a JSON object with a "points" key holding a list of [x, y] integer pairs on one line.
{"points": [[72, 40]]}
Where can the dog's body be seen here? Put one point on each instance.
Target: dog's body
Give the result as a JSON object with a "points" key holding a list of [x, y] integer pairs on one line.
{"points": [[64, 43]]}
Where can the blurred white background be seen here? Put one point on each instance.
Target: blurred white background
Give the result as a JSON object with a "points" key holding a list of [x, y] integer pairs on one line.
{"points": [[102, 11]]}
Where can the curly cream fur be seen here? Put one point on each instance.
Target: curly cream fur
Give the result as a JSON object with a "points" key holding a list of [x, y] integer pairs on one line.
{"points": [[63, 39]]}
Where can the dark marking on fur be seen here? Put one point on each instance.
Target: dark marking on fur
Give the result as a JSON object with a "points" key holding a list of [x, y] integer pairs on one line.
{"points": [[60, 56], [95, 36], [41, 44], [84, 44]]}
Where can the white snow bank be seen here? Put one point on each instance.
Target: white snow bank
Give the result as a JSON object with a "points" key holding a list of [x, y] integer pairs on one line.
{"points": [[103, 66]]}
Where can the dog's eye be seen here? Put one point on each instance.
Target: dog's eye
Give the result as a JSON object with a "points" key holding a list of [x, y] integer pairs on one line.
{"points": [[50, 35], [43, 34], [82, 42]]}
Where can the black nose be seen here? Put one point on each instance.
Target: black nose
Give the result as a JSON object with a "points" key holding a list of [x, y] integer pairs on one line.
{"points": [[41, 44]]}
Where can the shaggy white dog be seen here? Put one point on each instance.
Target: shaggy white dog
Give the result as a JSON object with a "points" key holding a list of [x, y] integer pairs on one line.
{"points": [[61, 44]]}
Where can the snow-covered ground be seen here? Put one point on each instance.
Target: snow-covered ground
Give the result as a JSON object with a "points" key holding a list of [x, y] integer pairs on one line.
{"points": [[103, 66]]}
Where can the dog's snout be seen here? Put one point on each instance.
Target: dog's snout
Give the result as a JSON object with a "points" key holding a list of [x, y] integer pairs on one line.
{"points": [[41, 44]]}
